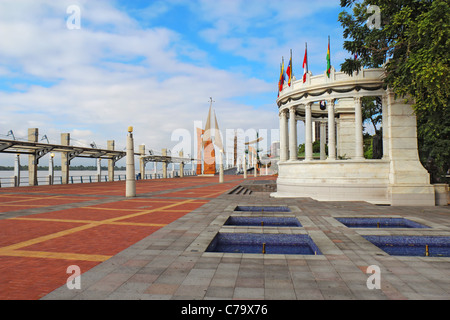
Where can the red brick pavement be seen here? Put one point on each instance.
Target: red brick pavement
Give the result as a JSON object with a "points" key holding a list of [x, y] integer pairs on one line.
{"points": [[36, 249]]}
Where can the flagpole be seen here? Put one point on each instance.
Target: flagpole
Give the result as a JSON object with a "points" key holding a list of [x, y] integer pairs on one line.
{"points": [[307, 62], [292, 66], [329, 48]]}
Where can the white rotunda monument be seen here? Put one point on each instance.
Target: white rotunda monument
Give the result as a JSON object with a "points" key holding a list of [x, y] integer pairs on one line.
{"points": [[398, 178]]}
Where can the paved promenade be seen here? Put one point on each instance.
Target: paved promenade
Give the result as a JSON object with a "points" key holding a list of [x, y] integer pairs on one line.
{"points": [[153, 246]]}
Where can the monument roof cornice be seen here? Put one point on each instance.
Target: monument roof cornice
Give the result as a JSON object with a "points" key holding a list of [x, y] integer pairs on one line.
{"points": [[366, 82]]}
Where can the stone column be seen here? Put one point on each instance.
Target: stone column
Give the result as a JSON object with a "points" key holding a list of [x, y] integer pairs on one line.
{"points": [[130, 187], [283, 153], [33, 135], [99, 170], [244, 166], [308, 133], [331, 131], [359, 151], [181, 165], [164, 164], [409, 182], [65, 162], [17, 171], [323, 155], [293, 149], [110, 146], [141, 161], [221, 167], [51, 170], [385, 126]]}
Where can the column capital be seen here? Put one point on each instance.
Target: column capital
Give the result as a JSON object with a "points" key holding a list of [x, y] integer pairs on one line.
{"points": [[283, 112], [292, 109], [330, 101], [357, 99]]}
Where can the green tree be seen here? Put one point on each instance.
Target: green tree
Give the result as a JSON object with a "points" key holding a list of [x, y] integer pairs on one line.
{"points": [[413, 44]]}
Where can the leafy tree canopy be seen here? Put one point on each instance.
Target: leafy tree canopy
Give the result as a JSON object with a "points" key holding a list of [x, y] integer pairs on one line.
{"points": [[412, 41]]}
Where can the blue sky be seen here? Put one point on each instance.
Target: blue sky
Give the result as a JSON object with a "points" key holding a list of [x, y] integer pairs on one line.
{"points": [[153, 65]]}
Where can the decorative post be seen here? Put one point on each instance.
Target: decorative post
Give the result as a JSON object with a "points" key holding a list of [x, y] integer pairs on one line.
{"points": [[164, 164], [65, 162], [99, 170], [51, 170], [181, 165], [130, 187], [244, 166], [111, 163], [17, 171], [141, 161], [32, 159], [221, 167]]}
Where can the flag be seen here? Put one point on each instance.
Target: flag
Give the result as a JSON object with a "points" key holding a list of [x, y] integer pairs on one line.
{"points": [[328, 59], [305, 63], [289, 71], [281, 83]]}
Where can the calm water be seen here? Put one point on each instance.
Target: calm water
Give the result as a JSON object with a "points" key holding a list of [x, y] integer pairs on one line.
{"points": [[7, 177]]}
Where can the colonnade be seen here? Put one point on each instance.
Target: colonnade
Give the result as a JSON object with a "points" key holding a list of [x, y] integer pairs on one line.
{"points": [[288, 132]]}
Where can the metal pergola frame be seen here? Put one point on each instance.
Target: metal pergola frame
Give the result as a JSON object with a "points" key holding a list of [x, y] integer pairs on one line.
{"points": [[41, 149]]}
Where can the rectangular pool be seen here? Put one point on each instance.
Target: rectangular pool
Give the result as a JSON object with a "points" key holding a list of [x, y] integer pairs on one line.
{"points": [[263, 243], [432, 246], [263, 221], [262, 208], [379, 223]]}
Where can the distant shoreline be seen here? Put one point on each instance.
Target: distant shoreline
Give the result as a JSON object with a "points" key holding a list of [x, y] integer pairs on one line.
{"points": [[74, 168]]}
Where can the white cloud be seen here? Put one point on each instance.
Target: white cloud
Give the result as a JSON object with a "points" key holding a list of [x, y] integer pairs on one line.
{"points": [[114, 72]]}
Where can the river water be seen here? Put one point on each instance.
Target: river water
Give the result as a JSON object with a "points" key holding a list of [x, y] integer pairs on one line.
{"points": [[77, 176]]}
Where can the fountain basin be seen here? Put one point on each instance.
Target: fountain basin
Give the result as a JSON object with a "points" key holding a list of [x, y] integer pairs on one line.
{"points": [[432, 246], [263, 243], [263, 221], [262, 208], [379, 223]]}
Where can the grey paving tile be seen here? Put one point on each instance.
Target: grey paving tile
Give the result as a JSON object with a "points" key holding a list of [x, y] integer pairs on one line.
{"points": [[171, 263]]}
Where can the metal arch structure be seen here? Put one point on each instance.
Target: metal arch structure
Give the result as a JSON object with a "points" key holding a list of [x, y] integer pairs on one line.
{"points": [[165, 159], [41, 149]]}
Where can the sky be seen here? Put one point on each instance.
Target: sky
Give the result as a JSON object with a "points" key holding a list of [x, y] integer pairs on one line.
{"points": [[93, 68]]}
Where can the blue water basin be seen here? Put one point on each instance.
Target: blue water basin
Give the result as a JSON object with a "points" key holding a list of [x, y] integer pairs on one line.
{"points": [[263, 243], [262, 208], [380, 223], [263, 221], [438, 246]]}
